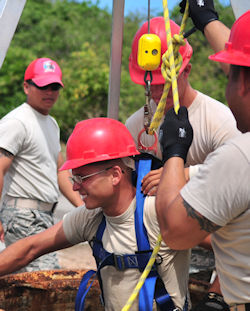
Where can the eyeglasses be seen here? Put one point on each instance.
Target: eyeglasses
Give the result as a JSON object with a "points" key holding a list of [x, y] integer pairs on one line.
{"points": [[78, 179], [52, 86]]}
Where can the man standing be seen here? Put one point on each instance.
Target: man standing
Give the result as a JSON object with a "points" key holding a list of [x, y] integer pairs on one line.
{"points": [[217, 199], [29, 160], [213, 122]]}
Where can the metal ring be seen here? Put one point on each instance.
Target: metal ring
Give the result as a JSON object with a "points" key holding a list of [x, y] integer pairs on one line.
{"points": [[141, 146]]}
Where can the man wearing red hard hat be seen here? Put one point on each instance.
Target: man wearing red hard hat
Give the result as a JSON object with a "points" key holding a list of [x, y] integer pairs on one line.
{"points": [[101, 152], [29, 160], [217, 200], [211, 129]]}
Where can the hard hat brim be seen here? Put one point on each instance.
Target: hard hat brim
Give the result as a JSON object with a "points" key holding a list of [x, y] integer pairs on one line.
{"points": [[233, 57], [75, 163]]}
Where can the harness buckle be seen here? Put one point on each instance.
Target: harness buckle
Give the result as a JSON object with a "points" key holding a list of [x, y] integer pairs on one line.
{"points": [[119, 262]]}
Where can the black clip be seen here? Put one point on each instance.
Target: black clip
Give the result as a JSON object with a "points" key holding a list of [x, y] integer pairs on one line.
{"points": [[150, 76], [117, 259], [189, 32]]}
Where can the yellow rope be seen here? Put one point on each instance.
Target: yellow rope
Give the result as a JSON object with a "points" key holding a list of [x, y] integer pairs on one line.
{"points": [[143, 276], [171, 59], [171, 64]]}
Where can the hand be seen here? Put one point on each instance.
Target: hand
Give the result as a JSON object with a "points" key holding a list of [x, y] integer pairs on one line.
{"points": [[151, 181], [176, 134], [201, 12], [1, 233]]}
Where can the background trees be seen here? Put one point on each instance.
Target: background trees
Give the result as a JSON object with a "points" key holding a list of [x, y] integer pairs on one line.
{"points": [[77, 35]]}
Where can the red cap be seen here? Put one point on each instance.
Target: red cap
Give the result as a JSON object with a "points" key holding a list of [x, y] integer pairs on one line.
{"points": [[43, 71]]}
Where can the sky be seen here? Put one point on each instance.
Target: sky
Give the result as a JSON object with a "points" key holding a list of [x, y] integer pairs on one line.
{"points": [[133, 5], [142, 5]]}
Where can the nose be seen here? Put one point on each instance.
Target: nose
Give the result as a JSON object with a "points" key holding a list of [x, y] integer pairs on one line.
{"points": [[76, 186]]}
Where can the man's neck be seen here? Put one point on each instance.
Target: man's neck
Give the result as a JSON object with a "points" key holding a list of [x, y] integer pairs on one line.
{"points": [[188, 96], [121, 202]]}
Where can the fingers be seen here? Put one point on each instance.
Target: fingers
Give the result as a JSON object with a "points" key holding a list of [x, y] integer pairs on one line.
{"points": [[183, 113], [151, 181]]}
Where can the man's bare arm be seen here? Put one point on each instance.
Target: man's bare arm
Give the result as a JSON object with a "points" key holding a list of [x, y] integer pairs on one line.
{"points": [[204, 223], [217, 34], [19, 254], [181, 226]]}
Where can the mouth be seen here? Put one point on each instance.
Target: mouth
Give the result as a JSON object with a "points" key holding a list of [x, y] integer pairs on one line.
{"points": [[49, 99]]}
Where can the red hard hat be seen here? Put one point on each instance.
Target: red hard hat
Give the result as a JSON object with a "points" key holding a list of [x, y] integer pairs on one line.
{"points": [[237, 49], [157, 26], [96, 140]]}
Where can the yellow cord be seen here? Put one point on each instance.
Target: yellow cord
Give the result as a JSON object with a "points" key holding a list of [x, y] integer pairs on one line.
{"points": [[173, 60], [143, 276], [171, 64]]}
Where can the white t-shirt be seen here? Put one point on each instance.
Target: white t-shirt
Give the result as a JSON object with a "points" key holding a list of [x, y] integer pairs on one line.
{"points": [[213, 123], [119, 237], [33, 139], [221, 193]]}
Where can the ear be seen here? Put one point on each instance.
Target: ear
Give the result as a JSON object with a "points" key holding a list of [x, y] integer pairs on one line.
{"points": [[116, 175], [244, 83], [26, 87], [187, 70]]}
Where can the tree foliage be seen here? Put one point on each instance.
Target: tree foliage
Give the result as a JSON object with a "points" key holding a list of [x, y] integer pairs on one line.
{"points": [[207, 76], [77, 35]]}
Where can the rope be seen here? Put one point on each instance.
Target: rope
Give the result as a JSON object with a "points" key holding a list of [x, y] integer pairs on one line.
{"points": [[143, 276], [171, 64]]}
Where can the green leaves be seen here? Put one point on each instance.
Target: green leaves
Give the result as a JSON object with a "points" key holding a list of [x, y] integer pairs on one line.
{"points": [[77, 35], [86, 78]]}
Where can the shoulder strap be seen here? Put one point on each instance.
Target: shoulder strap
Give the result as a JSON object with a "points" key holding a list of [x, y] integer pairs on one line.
{"points": [[146, 295], [143, 166], [150, 289]]}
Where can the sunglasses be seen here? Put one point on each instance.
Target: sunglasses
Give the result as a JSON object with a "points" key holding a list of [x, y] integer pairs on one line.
{"points": [[78, 179], [52, 86]]}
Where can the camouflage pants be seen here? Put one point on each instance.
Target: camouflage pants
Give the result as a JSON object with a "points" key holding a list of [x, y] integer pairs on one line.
{"points": [[19, 223], [202, 263]]}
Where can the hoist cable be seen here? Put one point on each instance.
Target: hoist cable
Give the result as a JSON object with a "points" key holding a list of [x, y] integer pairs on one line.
{"points": [[148, 16]]}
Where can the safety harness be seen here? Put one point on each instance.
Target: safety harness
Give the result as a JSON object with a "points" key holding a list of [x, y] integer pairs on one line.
{"points": [[153, 288]]}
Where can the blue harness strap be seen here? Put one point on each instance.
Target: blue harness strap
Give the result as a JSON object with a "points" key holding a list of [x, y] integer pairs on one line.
{"points": [[142, 168], [153, 286], [148, 291], [146, 294], [83, 290]]}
